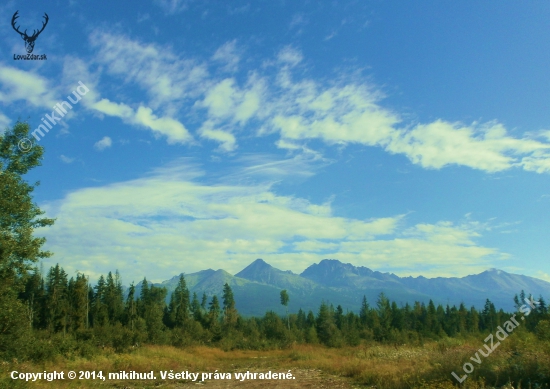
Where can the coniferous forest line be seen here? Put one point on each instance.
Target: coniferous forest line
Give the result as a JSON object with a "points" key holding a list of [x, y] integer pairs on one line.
{"points": [[102, 315]]}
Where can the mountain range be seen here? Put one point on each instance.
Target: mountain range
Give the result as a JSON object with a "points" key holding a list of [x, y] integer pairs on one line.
{"points": [[257, 287]]}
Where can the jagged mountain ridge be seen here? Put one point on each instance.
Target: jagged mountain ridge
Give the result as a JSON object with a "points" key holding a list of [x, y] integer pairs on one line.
{"points": [[256, 288]]}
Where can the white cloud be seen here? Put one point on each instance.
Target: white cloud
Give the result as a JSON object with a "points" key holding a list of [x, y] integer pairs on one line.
{"points": [[103, 144], [66, 159], [227, 140], [290, 56], [297, 20], [168, 80], [487, 147], [113, 109], [171, 128], [226, 101], [351, 113], [22, 85], [543, 276], [228, 55], [144, 116], [4, 122], [173, 6], [169, 222], [344, 111]]}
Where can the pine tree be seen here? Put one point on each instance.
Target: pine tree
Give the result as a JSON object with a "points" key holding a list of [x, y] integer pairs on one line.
{"points": [[178, 309], [397, 317], [204, 301], [130, 309], [327, 331], [364, 312], [542, 307], [78, 302], [98, 312], [213, 319], [385, 317], [229, 311], [33, 297], [57, 301], [196, 308], [431, 318], [284, 302], [339, 317], [153, 312], [473, 320], [489, 316], [214, 311], [113, 298]]}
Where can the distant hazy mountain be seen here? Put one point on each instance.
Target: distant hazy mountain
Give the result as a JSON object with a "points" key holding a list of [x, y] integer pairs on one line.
{"points": [[257, 287]]}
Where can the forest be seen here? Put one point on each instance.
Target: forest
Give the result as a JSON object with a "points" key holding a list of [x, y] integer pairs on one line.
{"points": [[101, 315]]}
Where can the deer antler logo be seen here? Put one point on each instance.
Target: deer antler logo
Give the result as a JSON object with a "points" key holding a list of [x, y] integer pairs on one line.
{"points": [[29, 40]]}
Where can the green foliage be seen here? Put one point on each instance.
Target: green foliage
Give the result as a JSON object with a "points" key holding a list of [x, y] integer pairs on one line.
{"points": [[542, 330], [19, 216]]}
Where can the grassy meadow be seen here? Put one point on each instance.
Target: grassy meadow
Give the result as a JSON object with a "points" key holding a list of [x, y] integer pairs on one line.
{"points": [[520, 361]]}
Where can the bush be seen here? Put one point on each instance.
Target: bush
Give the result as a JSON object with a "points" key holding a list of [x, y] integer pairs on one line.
{"points": [[542, 330]]}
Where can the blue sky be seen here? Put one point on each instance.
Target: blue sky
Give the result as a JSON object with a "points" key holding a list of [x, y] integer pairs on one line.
{"points": [[410, 137]]}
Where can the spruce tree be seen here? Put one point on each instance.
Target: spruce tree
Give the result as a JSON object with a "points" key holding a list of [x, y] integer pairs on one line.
{"points": [[178, 309], [229, 311], [284, 302], [113, 298], [98, 312], [130, 309], [78, 302], [196, 308], [364, 311], [57, 299]]}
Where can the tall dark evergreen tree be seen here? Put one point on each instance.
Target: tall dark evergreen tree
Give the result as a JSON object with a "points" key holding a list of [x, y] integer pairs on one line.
{"points": [[230, 314], [214, 310], [385, 317], [284, 302], [153, 311], [178, 309], [364, 311], [98, 309], [196, 308], [130, 308], [78, 302], [57, 299], [113, 298]]}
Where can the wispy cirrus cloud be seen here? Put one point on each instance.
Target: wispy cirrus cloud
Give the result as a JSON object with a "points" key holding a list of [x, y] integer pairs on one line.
{"points": [[144, 117], [345, 111], [228, 55], [173, 6], [28, 86]]}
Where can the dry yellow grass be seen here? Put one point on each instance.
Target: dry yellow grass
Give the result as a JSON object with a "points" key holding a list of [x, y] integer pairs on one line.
{"points": [[379, 366]]}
